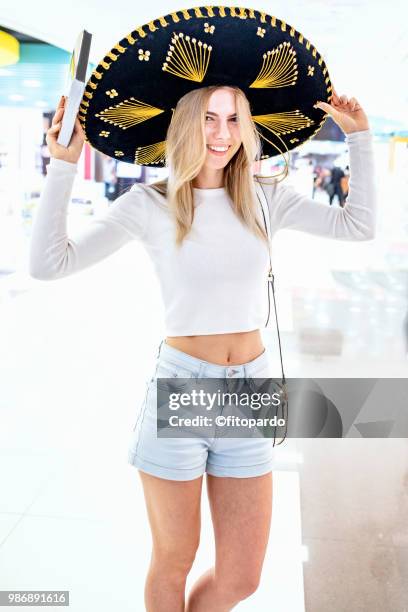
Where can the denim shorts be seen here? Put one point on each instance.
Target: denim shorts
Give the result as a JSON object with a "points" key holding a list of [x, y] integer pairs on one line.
{"points": [[188, 458]]}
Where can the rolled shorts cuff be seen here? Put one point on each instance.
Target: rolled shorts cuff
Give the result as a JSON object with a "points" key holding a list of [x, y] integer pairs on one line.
{"points": [[164, 472], [240, 471]]}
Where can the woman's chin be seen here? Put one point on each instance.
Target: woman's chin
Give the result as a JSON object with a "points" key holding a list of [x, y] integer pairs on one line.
{"points": [[216, 164]]}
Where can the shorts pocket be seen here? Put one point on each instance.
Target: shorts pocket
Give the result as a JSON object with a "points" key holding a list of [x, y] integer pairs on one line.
{"points": [[177, 373]]}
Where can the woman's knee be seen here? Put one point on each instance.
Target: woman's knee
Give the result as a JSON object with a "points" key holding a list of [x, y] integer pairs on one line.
{"points": [[240, 587], [175, 560]]}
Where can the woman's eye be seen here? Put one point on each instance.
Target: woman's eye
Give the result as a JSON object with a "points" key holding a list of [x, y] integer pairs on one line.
{"points": [[208, 118], [234, 119]]}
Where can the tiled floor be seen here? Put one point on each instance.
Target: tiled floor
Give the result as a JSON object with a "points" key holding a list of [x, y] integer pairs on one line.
{"points": [[85, 530]]}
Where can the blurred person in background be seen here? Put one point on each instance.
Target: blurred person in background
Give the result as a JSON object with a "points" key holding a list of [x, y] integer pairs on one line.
{"points": [[334, 187]]}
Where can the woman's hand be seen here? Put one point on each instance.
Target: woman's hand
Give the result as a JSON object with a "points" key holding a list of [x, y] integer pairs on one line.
{"points": [[73, 151], [348, 114]]}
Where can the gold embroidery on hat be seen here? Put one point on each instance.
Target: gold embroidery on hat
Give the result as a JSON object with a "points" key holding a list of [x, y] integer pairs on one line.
{"points": [[198, 13], [310, 71], [144, 55], [279, 68], [209, 29], [163, 22], [293, 140], [130, 39], [105, 65], [222, 12], [151, 154], [119, 153], [292, 31], [151, 26], [112, 56], [301, 38], [283, 26], [128, 113], [119, 48], [92, 85], [112, 93], [88, 95], [273, 22], [141, 32], [175, 17], [210, 12], [242, 13], [261, 32], [283, 123], [104, 133], [187, 58], [252, 13], [97, 75], [81, 117]]}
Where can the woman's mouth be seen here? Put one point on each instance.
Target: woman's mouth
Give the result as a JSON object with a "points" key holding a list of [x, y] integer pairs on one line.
{"points": [[219, 151]]}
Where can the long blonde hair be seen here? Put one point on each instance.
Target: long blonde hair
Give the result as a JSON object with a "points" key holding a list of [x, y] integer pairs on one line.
{"points": [[186, 152]]}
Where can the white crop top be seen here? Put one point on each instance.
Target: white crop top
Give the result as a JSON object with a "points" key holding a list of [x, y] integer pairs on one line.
{"points": [[216, 282]]}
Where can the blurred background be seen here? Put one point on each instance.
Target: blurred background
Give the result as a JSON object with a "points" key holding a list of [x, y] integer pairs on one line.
{"points": [[75, 354]]}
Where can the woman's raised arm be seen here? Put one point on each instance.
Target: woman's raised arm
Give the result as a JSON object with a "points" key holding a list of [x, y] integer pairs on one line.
{"points": [[356, 221], [54, 254]]}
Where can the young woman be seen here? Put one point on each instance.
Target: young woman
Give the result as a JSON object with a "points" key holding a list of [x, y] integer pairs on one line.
{"points": [[213, 288]]}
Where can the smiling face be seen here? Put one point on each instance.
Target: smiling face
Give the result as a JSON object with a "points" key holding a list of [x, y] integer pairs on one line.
{"points": [[221, 129]]}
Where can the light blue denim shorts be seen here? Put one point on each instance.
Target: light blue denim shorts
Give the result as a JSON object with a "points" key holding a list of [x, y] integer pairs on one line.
{"points": [[188, 458]]}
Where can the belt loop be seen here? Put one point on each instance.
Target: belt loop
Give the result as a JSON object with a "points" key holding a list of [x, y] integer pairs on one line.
{"points": [[201, 369]]}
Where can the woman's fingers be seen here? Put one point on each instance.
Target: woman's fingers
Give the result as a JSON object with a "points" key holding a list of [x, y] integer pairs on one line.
{"points": [[336, 98], [54, 128], [58, 116]]}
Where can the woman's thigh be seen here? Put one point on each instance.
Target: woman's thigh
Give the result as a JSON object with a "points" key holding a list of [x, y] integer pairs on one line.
{"points": [[173, 509], [241, 510]]}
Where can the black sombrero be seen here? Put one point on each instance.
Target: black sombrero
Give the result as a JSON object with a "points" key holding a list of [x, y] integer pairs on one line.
{"points": [[129, 99]]}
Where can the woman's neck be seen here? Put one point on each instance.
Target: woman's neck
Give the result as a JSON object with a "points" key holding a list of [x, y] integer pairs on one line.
{"points": [[208, 178]]}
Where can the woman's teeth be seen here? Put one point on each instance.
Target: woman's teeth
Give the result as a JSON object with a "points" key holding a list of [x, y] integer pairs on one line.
{"points": [[218, 149]]}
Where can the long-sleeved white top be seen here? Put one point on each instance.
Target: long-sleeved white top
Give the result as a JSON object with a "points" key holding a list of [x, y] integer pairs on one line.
{"points": [[216, 282]]}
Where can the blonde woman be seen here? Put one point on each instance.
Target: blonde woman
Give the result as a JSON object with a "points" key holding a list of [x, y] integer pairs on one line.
{"points": [[172, 478], [203, 230]]}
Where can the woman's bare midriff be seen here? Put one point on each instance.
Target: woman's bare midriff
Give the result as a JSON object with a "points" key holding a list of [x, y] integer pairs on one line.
{"points": [[223, 349]]}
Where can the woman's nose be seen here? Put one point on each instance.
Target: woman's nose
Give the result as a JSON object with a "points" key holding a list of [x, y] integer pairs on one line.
{"points": [[222, 130]]}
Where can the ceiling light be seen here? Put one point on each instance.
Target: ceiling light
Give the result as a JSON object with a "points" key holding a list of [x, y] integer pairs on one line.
{"points": [[9, 49]]}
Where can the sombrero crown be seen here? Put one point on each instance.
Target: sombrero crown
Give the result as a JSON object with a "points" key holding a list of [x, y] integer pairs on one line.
{"points": [[130, 97]]}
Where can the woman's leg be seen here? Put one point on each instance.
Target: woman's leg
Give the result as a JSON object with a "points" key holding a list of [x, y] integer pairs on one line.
{"points": [[173, 509], [241, 510]]}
